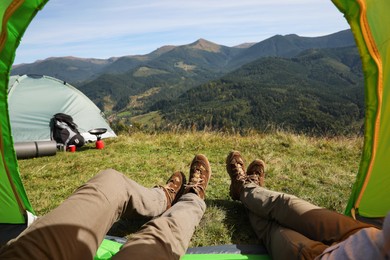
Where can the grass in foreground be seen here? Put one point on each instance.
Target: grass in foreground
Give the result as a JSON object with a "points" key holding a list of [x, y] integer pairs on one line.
{"points": [[320, 170]]}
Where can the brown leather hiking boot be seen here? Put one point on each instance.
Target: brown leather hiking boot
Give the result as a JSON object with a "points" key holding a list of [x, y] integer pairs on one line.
{"points": [[236, 169], [174, 188], [200, 173], [255, 172]]}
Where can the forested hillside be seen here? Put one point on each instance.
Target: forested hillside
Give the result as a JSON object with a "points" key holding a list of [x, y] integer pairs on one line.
{"points": [[319, 91]]}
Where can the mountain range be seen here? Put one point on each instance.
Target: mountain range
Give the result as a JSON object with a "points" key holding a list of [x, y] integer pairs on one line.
{"points": [[318, 80]]}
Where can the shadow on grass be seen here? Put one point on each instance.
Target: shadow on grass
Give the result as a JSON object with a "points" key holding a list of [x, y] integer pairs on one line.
{"points": [[127, 226], [236, 221]]}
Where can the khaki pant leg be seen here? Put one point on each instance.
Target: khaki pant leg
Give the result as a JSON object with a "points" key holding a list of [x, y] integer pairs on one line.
{"points": [[283, 243], [76, 228], [167, 236], [315, 223]]}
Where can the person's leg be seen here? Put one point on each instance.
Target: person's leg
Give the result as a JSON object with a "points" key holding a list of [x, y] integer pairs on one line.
{"points": [[168, 236], [291, 212], [75, 229], [288, 211], [284, 243]]}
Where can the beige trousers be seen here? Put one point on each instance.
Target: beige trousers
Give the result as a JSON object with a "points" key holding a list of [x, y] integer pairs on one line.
{"points": [[75, 229], [292, 228]]}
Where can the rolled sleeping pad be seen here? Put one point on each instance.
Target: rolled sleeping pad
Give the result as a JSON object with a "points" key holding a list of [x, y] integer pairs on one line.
{"points": [[25, 150]]}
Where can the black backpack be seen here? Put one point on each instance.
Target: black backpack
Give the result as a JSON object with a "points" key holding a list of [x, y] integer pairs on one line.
{"points": [[64, 130]]}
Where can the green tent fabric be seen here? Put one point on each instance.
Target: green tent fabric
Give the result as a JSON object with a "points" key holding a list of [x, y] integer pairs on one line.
{"points": [[111, 245], [34, 99], [107, 249], [15, 16], [369, 22], [231, 252]]}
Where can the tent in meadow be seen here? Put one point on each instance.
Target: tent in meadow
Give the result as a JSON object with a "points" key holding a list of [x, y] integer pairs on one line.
{"points": [[34, 99], [369, 196]]}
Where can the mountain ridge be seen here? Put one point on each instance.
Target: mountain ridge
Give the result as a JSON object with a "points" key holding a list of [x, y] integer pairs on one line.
{"points": [[319, 92], [131, 86], [64, 67]]}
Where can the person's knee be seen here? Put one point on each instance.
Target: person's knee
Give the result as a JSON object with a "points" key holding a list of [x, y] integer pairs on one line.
{"points": [[109, 174], [109, 184], [107, 179]]}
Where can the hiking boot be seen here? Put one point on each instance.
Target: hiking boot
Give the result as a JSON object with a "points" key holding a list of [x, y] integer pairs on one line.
{"points": [[174, 188], [255, 172], [235, 166], [236, 169], [200, 173]]}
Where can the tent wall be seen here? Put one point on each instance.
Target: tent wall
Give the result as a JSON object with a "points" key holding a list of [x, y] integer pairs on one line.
{"points": [[369, 22], [15, 16], [34, 99]]}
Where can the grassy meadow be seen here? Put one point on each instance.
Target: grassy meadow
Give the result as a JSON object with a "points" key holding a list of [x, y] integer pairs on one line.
{"points": [[321, 170]]}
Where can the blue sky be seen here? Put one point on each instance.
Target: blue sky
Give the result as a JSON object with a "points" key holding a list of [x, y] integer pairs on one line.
{"points": [[113, 28]]}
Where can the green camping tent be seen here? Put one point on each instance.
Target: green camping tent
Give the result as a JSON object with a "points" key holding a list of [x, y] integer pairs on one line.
{"points": [[368, 20]]}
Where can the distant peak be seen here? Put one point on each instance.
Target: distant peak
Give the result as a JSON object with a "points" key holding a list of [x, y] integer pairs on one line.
{"points": [[203, 41], [292, 35], [205, 45]]}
